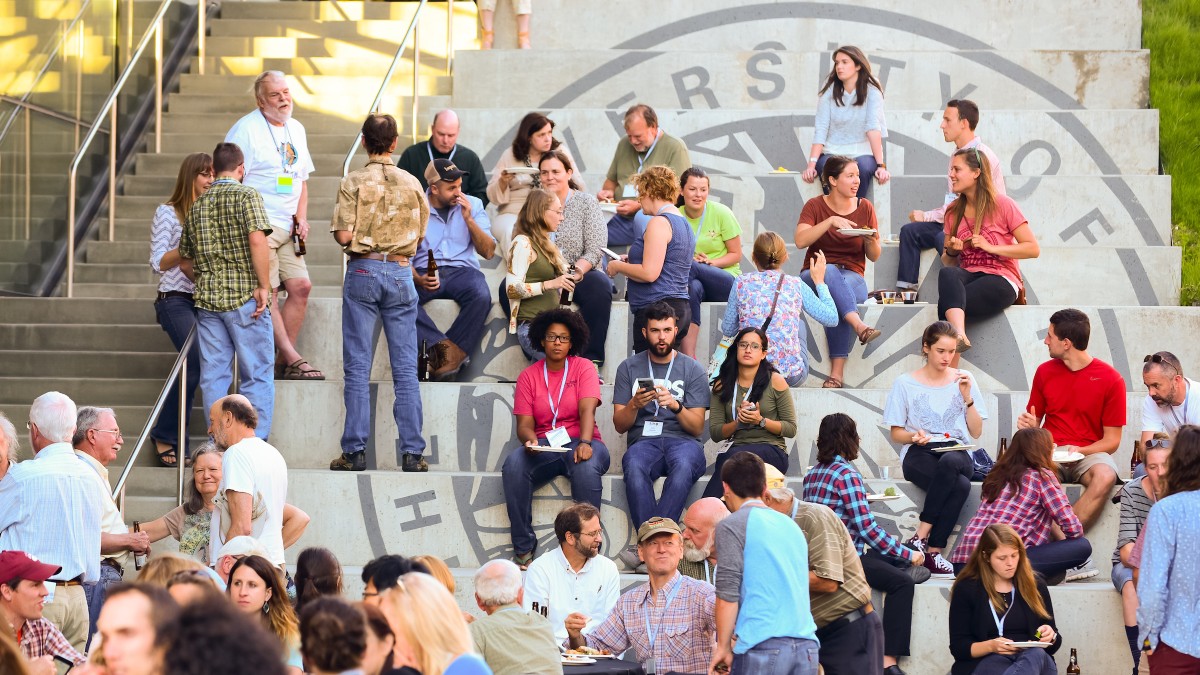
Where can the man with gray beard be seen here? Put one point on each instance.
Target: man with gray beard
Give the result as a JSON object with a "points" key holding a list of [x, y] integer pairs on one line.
{"points": [[699, 545]]}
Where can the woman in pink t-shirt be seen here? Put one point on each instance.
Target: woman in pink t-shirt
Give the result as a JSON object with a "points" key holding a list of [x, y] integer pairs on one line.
{"points": [[986, 235], [555, 404]]}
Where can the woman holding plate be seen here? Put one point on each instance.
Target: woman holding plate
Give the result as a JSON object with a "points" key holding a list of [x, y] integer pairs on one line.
{"points": [[929, 410], [996, 606]]}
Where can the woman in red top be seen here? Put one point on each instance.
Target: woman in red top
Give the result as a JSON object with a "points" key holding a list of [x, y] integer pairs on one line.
{"points": [[555, 404], [824, 223], [986, 235]]}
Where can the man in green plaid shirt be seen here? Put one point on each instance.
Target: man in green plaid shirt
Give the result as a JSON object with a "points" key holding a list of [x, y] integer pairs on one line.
{"points": [[224, 249]]}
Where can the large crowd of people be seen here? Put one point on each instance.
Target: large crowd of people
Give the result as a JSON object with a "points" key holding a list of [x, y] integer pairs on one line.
{"points": [[753, 577]]}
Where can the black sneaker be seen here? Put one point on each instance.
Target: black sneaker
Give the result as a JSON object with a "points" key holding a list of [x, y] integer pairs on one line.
{"points": [[350, 462], [414, 463], [893, 670]]}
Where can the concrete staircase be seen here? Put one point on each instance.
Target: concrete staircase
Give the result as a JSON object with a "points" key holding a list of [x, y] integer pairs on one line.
{"points": [[1064, 107]]}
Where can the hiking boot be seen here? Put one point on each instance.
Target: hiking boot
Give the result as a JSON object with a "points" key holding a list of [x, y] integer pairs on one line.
{"points": [[415, 463], [449, 359], [350, 461]]}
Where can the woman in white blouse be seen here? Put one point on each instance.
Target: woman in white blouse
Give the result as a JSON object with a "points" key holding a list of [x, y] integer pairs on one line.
{"points": [[174, 307]]}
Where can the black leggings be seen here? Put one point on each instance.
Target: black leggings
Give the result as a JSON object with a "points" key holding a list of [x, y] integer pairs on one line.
{"points": [[979, 294], [897, 586], [946, 479]]}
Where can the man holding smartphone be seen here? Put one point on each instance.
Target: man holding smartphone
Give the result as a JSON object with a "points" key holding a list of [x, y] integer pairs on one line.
{"points": [[659, 402]]}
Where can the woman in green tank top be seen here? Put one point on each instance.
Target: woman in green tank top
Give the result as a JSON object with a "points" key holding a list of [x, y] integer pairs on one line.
{"points": [[537, 272]]}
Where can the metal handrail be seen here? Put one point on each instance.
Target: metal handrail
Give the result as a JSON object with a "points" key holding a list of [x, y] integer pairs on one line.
{"points": [[49, 112], [46, 67], [178, 375], [110, 108]]}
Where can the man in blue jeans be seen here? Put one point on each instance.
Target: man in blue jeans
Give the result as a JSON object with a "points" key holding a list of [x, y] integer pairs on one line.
{"points": [[379, 218], [223, 248], [762, 582], [459, 233], [663, 422]]}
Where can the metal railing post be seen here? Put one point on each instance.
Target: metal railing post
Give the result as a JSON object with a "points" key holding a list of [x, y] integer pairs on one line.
{"points": [[29, 169], [200, 30], [78, 79], [449, 37], [158, 85], [112, 174], [128, 46], [181, 443], [416, 77]]}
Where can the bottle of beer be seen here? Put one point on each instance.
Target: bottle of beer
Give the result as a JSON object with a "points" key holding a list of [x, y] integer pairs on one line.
{"points": [[1073, 665], [1137, 455], [297, 242], [423, 362], [564, 296], [432, 269], [1003, 447], [546, 610], [139, 559], [535, 609]]}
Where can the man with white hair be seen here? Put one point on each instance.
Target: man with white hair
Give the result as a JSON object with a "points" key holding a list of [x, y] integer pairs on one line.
{"points": [[699, 544], [50, 507], [234, 550], [9, 445], [278, 164], [511, 639]]}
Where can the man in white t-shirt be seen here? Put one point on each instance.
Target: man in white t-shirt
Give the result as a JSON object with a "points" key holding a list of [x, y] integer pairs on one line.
{"points": [[250, 499], [277, 164], [1169, 403]]}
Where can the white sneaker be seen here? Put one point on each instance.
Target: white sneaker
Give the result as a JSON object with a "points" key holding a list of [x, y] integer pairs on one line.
{"points": [[1085, 571]]}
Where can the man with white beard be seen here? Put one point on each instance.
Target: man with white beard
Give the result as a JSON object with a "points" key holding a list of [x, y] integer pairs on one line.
{"points": [[699, 545]]}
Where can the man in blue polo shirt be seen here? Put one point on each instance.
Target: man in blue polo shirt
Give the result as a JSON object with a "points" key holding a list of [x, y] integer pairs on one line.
{"points": [[762, 582]]}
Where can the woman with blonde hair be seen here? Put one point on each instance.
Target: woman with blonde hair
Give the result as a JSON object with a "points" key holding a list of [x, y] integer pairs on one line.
{"points": [[536, 268], [998, 601], [424, 615], [256, 588], [174, 308], [753, 294], [163, 567]]}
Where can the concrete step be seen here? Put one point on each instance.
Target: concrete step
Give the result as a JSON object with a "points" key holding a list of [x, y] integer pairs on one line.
{"points": [[463, 515], [432, 69], [314, 121], [311, 440], [142, 292], [373, 52], [86, 391], [1120, 335], [348, 99], [88, 338], [23, 251], [91, 311], [321, 251], [188, 140], [1079, 142], [341, 11], [36, 363], [877, 24], [790, 79]]}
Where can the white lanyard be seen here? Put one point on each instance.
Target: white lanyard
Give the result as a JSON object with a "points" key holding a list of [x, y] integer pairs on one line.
{"points": [[429, 149], [667, 377], [651, 634], [1186, 396], [709, 576], [795, 506], [554, 405], [282, 149], [1000, 619], [642, 158]]}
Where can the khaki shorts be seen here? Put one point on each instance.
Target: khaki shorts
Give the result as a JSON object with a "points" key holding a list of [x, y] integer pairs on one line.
{"points": [[284, 263], [1071, 473]]}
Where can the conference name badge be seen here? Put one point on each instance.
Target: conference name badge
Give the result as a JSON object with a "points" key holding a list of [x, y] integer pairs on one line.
{"points": [[283, 185]]}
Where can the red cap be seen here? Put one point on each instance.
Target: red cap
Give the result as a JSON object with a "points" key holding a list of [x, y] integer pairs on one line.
{"points": [[20, 565]]}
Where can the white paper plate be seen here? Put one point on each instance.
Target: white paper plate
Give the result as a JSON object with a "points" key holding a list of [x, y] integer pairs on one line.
{"points": [[856, 232], [880, 497], [949, 448], [608, 207], [1032, 644], [543, 448], [777, 172], [527, 170], [1067, 457], [577, 661]]}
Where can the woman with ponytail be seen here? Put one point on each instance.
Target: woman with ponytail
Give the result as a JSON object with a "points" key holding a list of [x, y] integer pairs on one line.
{"points": [[318, 573], [752, 297]]}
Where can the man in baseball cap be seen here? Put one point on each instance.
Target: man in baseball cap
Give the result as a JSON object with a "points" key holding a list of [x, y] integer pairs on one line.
{"points": [[659, 611], [23, 594]]}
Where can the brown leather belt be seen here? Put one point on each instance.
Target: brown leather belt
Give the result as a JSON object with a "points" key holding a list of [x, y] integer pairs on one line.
{"points": [[112, 562], [384, 257], [844, 620], [77, 581]]}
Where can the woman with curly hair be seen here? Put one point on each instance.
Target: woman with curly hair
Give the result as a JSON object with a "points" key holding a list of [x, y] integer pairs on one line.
{"points": [[555, 404], [659, 263], [256, 588], [765, 417], [333, 635]]}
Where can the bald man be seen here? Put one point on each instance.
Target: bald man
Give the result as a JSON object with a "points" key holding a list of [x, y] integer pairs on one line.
{"points": [[443, 144], [253, 481], [699, 544]]}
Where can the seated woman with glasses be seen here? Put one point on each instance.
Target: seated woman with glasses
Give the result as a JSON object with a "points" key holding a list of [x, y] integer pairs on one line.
{"points": [[555, 405], [536, 269], [748, 384]]}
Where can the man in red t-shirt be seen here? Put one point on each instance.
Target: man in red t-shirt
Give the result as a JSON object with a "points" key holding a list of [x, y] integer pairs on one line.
{"points": [[1080, 400]]}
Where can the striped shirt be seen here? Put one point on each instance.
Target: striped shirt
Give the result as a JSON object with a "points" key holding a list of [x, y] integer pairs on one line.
{"points": [[1135, 508], [1040, 501], [50, 508], [39, 638], [164, 236], [685, 629], [831, 556], [839, 486], [217, 237]]}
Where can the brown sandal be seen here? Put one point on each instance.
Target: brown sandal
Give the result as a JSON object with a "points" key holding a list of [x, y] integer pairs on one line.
{"points": [[963, 344], [296, 371], [867, 334], [832, 383]]}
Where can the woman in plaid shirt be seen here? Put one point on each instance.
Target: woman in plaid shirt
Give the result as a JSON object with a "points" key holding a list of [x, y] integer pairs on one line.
{"points": [[1023, 491]]}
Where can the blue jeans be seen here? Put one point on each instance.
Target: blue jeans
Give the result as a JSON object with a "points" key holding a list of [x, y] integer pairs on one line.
{"points": [[624, 230], [223, 334], [531, 351], [1053, 557], [866, 173], [376, 290], [848, 288], [778, 656], [177, 315], [915, 238], [708, 284], [681, 460], [522, 473], [1025, 662], [96, 592], [467, 287]]}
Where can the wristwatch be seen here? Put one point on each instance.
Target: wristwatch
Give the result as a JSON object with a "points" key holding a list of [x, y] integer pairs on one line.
{"points": [[762, 423]]}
